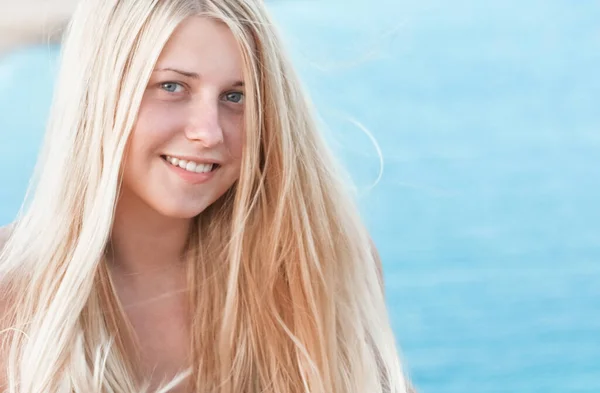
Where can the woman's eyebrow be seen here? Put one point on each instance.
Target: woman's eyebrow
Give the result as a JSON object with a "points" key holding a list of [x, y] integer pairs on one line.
{"points": [[194, 75], [188, 74]]}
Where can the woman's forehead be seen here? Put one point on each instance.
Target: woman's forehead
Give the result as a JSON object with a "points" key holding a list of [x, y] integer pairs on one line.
{"points": [[202, 46]]}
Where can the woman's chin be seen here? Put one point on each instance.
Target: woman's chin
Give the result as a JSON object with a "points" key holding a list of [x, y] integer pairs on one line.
{"points": [[181, 212]]}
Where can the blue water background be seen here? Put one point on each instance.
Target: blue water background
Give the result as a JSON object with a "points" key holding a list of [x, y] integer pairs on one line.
{"points": [[487, 212]]}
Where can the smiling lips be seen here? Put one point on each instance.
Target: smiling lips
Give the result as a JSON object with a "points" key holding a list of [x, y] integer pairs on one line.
{"points": [[190, 171], [190, 166]]}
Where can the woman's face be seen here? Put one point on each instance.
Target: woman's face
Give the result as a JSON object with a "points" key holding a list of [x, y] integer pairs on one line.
{"points": [[185, 149]]}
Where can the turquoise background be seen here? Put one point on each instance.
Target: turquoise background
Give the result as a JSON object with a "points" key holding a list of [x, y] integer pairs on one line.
{"points": [[486, 214]]}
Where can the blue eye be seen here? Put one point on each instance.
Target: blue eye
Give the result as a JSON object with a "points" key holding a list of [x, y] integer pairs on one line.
{"points": [[171, 87], [235, 96]]}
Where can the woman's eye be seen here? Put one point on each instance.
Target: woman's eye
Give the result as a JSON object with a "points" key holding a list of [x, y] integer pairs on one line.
{"points": [[235, 96], [171, 87]]}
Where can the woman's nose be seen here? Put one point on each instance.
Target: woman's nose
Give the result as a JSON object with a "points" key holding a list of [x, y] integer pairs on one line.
{"points": [[204, 125]]}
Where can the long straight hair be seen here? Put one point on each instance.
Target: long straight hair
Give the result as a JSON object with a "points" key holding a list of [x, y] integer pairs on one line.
{"points": [[283, 279]]}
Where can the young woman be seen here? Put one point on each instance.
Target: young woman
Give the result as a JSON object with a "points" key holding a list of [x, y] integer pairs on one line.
{"points": [[188, 230]]}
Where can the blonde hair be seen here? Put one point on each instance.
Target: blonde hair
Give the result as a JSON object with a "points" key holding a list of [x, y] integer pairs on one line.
{"points": [[284, 289]]}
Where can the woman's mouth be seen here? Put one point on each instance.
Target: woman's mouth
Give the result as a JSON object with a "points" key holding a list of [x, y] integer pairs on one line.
{"points": [[191, 166]]}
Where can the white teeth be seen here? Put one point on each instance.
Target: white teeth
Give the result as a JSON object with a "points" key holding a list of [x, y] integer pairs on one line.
{"points": [[204, 168], [190, 166]]}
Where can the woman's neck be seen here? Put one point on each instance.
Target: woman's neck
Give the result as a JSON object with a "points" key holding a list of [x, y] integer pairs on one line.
{"points": [[145, 257], [144, 242]]}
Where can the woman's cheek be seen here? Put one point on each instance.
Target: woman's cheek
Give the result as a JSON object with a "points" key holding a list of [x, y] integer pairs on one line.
{"points": [[233, 128], [161, 119]]}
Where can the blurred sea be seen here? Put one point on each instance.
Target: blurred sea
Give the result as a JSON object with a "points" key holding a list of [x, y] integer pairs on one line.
{"points": [[486, 214]]}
